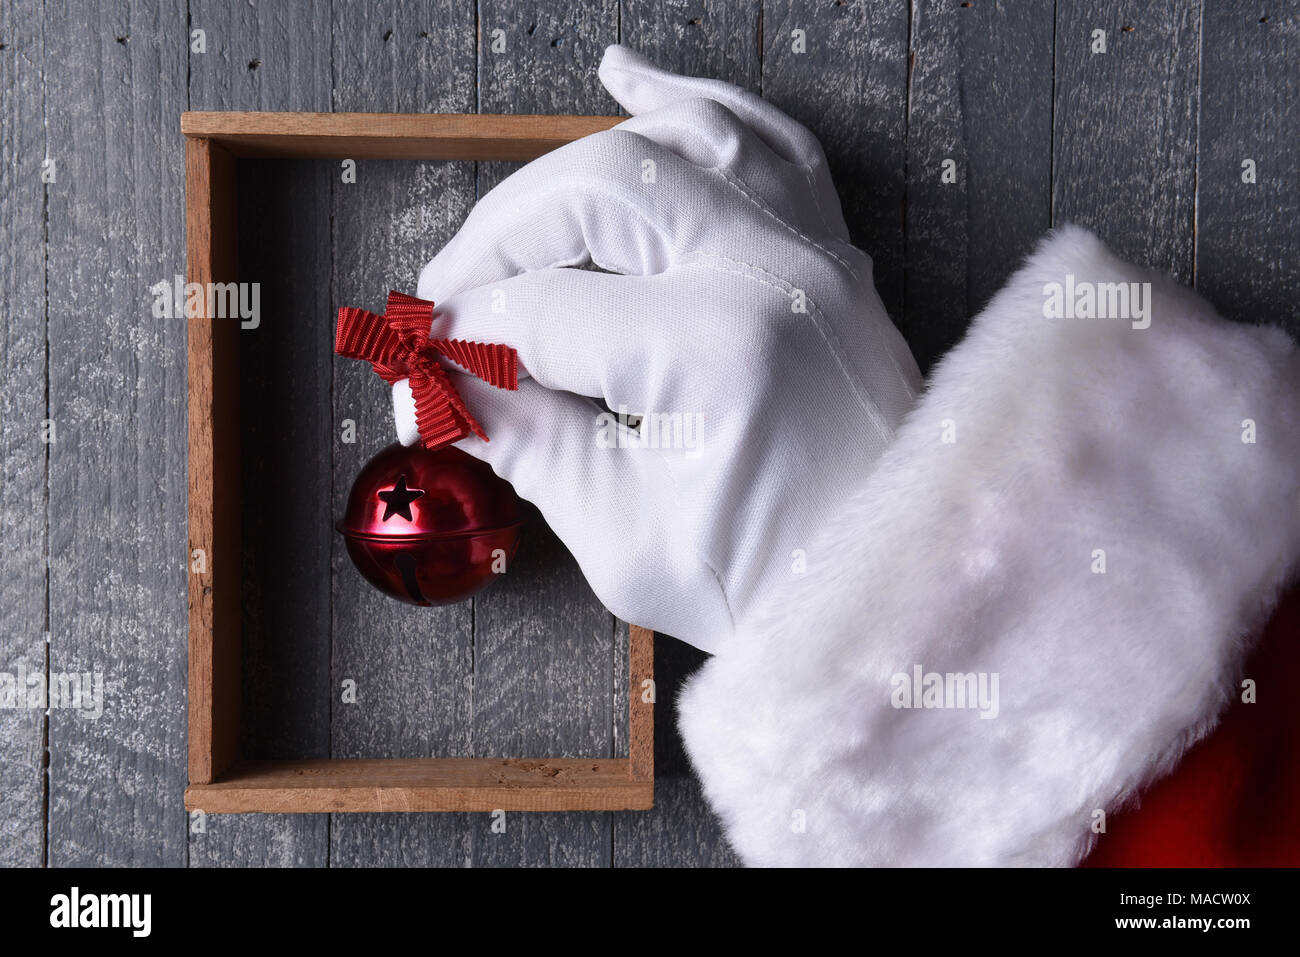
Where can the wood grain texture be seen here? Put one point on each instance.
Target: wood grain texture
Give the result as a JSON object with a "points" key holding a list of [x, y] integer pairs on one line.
{"points": [[1124, 139], [544, 647], [213, 556], [979, 95], [1248, 235], [443, 136], [416, 785], [413, 667], [453, 784], [114, 88], [718, 40], [23, 454], [850, 89], [277, 56], [642, 698]]}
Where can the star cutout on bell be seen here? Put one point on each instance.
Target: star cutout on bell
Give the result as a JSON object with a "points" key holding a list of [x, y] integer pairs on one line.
{"points": [[398, 500]]}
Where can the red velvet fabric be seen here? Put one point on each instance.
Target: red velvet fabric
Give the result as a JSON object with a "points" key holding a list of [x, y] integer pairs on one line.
{"points": [[1234, 799]]}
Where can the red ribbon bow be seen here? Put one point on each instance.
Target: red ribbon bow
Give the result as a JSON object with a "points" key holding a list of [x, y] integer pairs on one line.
{"points": [[398, 345]]}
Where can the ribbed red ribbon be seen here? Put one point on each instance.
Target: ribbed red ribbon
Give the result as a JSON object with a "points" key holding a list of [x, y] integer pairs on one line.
{"points": [[398, 345]]}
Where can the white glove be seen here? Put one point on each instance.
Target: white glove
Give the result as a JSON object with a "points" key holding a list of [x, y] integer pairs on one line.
{"points": [[741, 322]]}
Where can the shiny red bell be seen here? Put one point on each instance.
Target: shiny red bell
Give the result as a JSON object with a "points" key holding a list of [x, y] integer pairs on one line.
{"points": [[430, 527]]}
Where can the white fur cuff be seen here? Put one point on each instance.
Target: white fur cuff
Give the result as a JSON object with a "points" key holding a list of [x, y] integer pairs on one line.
{"points": [[1038, 599]]}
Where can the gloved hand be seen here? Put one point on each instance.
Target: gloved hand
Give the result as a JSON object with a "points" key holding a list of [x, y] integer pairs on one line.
{"points": [[734, 317]]}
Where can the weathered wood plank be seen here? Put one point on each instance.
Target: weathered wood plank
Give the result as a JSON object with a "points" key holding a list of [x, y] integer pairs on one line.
{"points": [[413, 785], [715, 40], [980, 98], [719, 40], [1124, 154], [114, 89], [413, 667], [639, 686], [22, 451], [850, 89], [277, 56], [543, 644], [378, 135], [212, 368], [1248, 236], [681, 830]]}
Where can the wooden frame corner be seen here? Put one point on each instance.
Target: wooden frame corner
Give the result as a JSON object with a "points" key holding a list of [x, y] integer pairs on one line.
{"points": [[220, 781]]}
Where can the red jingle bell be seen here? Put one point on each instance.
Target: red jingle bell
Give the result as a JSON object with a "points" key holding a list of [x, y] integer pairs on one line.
{"points": [[430, 526]]}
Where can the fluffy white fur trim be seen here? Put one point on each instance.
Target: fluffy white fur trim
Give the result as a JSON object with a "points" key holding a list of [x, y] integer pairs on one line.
{"points": [[1073, 442]]}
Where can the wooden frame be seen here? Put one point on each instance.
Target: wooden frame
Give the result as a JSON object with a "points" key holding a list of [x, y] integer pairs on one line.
{"points": [[220, 781]]}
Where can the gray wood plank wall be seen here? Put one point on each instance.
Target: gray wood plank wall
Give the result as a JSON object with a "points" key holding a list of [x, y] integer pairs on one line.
{"points": [[114, 79], [382, 225], [1144, 143]]}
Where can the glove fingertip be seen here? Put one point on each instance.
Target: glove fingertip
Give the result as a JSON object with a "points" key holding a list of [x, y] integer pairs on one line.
{"points": [[619, 71], [426, 286], [619, 57]]}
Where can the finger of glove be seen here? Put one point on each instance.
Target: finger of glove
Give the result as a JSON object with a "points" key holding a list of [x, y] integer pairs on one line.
{"points": [[614, 508], [640, 87], [585, 202], [590, 333], [706, 133]]}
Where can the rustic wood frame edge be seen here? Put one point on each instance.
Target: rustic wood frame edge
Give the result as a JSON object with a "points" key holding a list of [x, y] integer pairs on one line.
{"points": [[220, 781]]}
